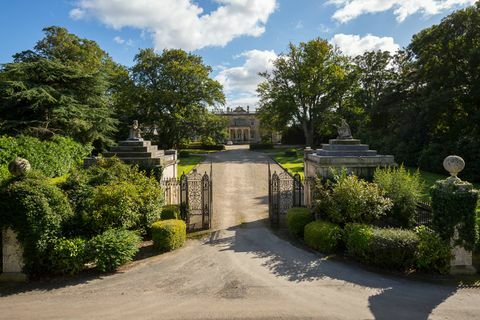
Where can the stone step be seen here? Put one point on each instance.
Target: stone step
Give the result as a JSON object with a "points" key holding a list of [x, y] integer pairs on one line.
{"points": [[345, 147], [344, 141], [143, 162], [123, 155], [346, 153], [133, 149], [135, 143]]}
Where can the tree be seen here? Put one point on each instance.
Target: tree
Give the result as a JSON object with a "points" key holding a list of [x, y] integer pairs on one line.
{"points": [[174, 91], [303, 86]]}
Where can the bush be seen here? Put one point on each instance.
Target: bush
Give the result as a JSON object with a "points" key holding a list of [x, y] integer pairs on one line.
{"points": [[351, 200], [36, 210], [183, 154], [112, 248], [170, 212], [453, 205], [433, 254], [169, 234], [261, 146], [393, 248], [54, 157], [297, 219], [404, 189], [323, 236], [68, 255], [205, 146], [291, 153], [357, 238]]}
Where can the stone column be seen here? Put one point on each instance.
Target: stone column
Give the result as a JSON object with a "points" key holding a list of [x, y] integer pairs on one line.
{"points": [[306, 190], [12, 257]]}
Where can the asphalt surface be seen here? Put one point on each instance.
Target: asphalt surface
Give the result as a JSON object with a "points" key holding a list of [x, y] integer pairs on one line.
{"points": [[241, 271]]}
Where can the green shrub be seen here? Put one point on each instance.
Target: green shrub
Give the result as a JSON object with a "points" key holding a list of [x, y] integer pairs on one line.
{"points": [[453, 205], [297, 219], [54, 157], [357, 238], [68, 255], [183, 154], [433, 254], [261, 146], [404, 189], [169, 234], [170, 212], [477, 247], [323, 236], [351, 200], [291, 153], [112, 248], [36, 210], [393, 248]]}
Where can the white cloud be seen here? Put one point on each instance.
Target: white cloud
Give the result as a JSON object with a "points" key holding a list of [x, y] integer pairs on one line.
{"points": [[351, 9], [120, 40], [354, 45], [181, 23], [240, 83]]}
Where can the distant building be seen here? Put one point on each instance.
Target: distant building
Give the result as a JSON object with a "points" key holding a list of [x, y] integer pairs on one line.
{"points": [[245, 127]]}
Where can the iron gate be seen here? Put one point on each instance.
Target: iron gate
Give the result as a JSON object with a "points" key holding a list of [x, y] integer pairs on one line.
{"points": [[284, 192]]}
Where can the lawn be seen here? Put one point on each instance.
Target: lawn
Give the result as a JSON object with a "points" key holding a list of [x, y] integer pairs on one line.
{"points": [[188, 163], [293, 165]]}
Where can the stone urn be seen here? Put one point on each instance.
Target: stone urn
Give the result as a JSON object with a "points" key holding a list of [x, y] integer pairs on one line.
{"points": [[19, 167]]}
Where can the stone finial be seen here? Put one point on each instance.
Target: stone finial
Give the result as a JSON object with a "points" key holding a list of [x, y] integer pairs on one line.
{"points": [[19, 167], [454, 165]]}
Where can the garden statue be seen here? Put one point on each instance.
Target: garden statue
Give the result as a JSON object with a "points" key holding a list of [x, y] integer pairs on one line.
{"points": [[344, 131], [454, 165], [135, 132], [19, 166]]}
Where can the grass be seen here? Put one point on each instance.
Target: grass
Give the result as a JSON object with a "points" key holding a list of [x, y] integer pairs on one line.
{"points": [[188, 163], [199, 151], [293, 165]]}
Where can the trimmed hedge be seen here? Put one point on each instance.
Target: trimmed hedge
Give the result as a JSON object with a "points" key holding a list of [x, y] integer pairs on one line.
{"points": [[433, 254], [168, 235], [212, 147], [297, 218], [170, 212], [260, 146], [112, 248], [323, 236], [388, 248]]}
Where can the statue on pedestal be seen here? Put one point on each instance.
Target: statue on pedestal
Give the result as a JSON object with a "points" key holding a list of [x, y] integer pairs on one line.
{"points": [[135, 132], [344, 131]]}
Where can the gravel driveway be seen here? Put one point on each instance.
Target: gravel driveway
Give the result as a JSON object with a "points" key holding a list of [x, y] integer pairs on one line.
{"points": [[242, 271]]}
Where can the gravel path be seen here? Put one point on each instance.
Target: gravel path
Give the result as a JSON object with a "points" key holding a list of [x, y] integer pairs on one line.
{"points": [[242, 271]]}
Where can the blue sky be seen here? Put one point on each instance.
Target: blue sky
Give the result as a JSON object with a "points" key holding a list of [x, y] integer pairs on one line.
{"points": [[238, 38]]}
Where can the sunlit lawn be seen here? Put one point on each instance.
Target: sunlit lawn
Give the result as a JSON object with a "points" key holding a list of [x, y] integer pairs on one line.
{"points": [[188, 163]]}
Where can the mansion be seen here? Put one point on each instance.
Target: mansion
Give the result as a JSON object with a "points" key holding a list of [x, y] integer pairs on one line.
{"points": [[244, 127]]}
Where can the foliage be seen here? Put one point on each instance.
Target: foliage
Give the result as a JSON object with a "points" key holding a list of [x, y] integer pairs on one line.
{"points": [[404, 189], [455, 205], [260, 146], [208, 147], [169, 234], [184, 154], [112, 248], [53, 157], [36, 210], [291, 153], [433, 253], [297, 219], [68, 255], [170, 212], [173, 90], [323, 236], [357, 238], [350, 200], [304, 85]]}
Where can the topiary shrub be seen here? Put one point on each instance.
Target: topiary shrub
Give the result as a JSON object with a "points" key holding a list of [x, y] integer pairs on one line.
{"points": [[170, 212], [433, 254], [297, 218], [36, 210], [261, 146], [357, 238], [169, 234], [323, 236], [454, 204], [404, 189], [112, 248], [68, 255], [394, 249]]}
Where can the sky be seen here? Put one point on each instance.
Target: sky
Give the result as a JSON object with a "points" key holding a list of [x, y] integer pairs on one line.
{"points": [[237, 38]]}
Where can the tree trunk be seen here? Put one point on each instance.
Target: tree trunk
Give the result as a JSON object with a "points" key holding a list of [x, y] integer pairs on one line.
{"points": [[308, 132]]}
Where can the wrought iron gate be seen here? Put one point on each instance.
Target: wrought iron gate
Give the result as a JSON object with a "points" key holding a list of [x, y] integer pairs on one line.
{"points": [[284, 192], [193, 192]]}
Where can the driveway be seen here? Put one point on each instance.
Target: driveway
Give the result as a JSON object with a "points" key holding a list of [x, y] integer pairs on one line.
{"points": [[241, 271]]}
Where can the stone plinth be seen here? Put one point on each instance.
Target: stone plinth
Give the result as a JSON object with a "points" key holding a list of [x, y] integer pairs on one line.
{"points": [[461, 262], [12, 257]]}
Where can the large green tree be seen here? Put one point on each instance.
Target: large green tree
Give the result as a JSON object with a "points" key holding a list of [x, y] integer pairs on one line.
{"points": [[304, 87], [173, 90], [63, 86]]}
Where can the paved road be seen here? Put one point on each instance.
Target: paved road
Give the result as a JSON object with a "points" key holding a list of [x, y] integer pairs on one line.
{"points": [[243, 271]]}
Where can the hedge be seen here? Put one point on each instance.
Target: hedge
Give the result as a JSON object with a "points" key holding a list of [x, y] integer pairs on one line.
{"points": [[170, 212], [168, 235], [323, 236], [261, 146], [433, 253], [297, 218]]}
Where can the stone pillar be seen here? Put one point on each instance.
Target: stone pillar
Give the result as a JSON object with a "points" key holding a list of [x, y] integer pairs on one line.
{"points": [[307, 188], [12, 257]]}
